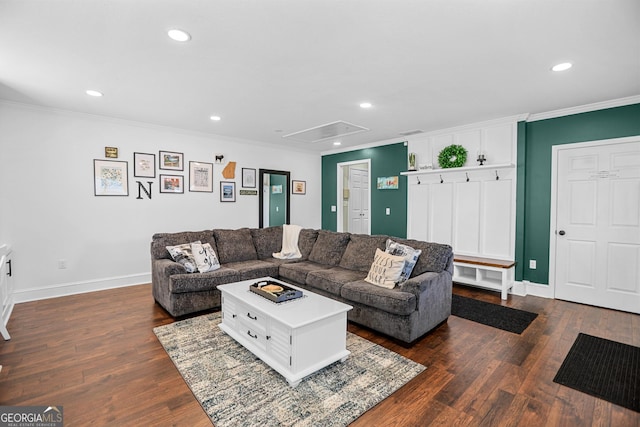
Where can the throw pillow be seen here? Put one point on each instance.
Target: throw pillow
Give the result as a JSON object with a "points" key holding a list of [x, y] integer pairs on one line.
{"points": [[183, 255], [205, 257], [410, 257], [385, 270]]}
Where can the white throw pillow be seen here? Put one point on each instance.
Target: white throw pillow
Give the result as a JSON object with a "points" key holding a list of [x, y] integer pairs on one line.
{"points": [[385, 270], [183, 255], [410, 257], [205, 257]]}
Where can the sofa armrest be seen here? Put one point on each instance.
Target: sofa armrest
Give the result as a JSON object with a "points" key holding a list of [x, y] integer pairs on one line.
{"points": [[167, 267], [419, 284]]}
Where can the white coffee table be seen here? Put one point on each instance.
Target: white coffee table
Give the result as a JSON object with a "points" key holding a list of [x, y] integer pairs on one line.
{"points": [[295, 338]]}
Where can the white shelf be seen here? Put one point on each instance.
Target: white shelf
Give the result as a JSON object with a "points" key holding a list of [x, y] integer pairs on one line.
{"points": [[462, 169]]}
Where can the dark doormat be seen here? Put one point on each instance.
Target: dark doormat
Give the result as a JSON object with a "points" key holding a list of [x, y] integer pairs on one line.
{"points": [[603, 368], [505, 318]]}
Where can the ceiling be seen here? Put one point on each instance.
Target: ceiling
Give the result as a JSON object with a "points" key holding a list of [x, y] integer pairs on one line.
{"points": [[270, 68]]}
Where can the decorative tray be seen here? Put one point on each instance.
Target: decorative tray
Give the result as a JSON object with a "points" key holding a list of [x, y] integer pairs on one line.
{"points": [[275, 291]]}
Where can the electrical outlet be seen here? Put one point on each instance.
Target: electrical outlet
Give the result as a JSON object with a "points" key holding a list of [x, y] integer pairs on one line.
{"points": [[532, 264], [62, 264], [388, 211]]}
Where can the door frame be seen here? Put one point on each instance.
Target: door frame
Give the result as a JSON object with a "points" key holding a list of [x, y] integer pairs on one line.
{"points": [[554, 195], [340, 182]]}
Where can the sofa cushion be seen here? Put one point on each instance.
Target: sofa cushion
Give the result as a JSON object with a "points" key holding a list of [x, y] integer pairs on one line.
{"points": [[235, 245], [385, 270], [360, 251], [434, 256], [329, 247], [253, 269], [306, 240], [267, 241], [182, 254], [181, 283], [297, 271], [205, 257], [160, 241], [410, 257], [390, 300], [332, 279]]}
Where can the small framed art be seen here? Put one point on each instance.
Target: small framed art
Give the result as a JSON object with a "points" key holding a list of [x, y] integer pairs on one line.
{"points": [[298, 187], [172, 184], [110, 177], [144, 165], [201, 177], [171, 160], [227, 191], [248, 178]]}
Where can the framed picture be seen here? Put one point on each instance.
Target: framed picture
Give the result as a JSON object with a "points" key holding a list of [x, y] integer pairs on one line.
{"points": [[276, 189], [201, 177], [171, 161], [227, 191], [387, 183], [111, 152], [248, 178], [144, 165], [110, 177], [172, 184], [299, 187]]}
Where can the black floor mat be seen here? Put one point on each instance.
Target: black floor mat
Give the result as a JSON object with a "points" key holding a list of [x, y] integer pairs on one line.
{"points": [[505, 318], [603, 368]]}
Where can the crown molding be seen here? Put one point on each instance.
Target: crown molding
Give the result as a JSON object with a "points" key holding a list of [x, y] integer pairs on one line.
{"points": [[585, 108]]}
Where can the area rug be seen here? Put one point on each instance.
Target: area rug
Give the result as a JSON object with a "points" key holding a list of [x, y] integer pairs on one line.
{"points": [[603, 368], [235, 388], [505, 318]]}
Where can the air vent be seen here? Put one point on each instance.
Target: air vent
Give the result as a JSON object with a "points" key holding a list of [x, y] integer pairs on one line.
{"points": [[328, 131], [411, 132]]}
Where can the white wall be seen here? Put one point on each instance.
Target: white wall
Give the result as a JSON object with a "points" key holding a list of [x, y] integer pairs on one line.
{"points": [[49, 211]]}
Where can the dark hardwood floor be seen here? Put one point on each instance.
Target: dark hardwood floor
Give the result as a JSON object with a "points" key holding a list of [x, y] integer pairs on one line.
{"points": [[96, 355]]}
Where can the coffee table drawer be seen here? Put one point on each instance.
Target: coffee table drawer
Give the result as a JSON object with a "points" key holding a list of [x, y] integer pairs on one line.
{"points": [[252, 336]]}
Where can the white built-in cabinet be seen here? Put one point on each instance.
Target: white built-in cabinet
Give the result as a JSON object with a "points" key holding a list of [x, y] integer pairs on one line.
{"points": [[471, 208], [6, 289]]}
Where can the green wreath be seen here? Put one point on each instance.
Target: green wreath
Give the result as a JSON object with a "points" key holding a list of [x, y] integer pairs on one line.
{"points": [[452, 156]]}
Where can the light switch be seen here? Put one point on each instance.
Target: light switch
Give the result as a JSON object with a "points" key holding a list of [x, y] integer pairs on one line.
{"points": [[388, 211], [334, 209]]}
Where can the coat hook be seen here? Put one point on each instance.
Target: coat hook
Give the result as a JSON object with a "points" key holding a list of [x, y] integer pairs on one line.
{"points": [[497, 176], [441, 180], [467, 173], [418, 179]]}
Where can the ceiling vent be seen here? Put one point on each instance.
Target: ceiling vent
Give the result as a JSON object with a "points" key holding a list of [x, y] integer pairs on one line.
{"points": [[328, 131], [411, 132]]}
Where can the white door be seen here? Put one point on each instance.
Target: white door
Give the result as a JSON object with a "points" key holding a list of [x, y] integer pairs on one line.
{"points": [[597, 233], [358, 201]]}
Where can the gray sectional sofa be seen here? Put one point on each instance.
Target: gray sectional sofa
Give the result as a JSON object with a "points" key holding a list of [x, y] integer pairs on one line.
{"points": [[332, 264]]}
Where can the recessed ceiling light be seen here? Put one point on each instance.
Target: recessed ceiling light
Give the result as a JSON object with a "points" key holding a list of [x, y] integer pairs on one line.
{"points": [[562, 67], [215, 118], [91, 92], [179, 35], [337, 143], [365, 105]]}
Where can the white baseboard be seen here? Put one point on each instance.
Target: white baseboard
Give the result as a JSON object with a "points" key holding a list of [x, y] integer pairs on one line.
{"points": [[64, 289], [535, 289]]}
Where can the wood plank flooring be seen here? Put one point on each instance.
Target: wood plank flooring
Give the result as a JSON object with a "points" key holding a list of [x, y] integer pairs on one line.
{"points": [[96, 355]]}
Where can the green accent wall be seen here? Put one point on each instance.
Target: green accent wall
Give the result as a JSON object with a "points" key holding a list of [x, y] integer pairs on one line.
{"points": [[278, 201], [387, 160], [533, 202]]}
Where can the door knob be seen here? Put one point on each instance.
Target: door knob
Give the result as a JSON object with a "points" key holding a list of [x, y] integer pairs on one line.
{"points": [[561, 232]]}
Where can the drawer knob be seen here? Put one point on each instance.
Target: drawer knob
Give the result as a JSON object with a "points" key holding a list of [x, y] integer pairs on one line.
{"points": [[251, 317], [251, 335]]}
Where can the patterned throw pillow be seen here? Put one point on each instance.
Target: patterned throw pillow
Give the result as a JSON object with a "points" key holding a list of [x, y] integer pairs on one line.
{"points": [[385, 270], [205, 257], [183, 255], [410, 257]]}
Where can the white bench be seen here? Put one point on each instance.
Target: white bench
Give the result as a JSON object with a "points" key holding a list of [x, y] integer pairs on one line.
{"points": [[487, 273]]}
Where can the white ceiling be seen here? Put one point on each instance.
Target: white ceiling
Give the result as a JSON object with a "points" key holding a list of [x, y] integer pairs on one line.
{"points": [[275, 67]]}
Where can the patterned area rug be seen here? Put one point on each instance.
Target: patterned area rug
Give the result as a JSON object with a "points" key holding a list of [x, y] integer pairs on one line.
{"points": [[235, 388]]}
